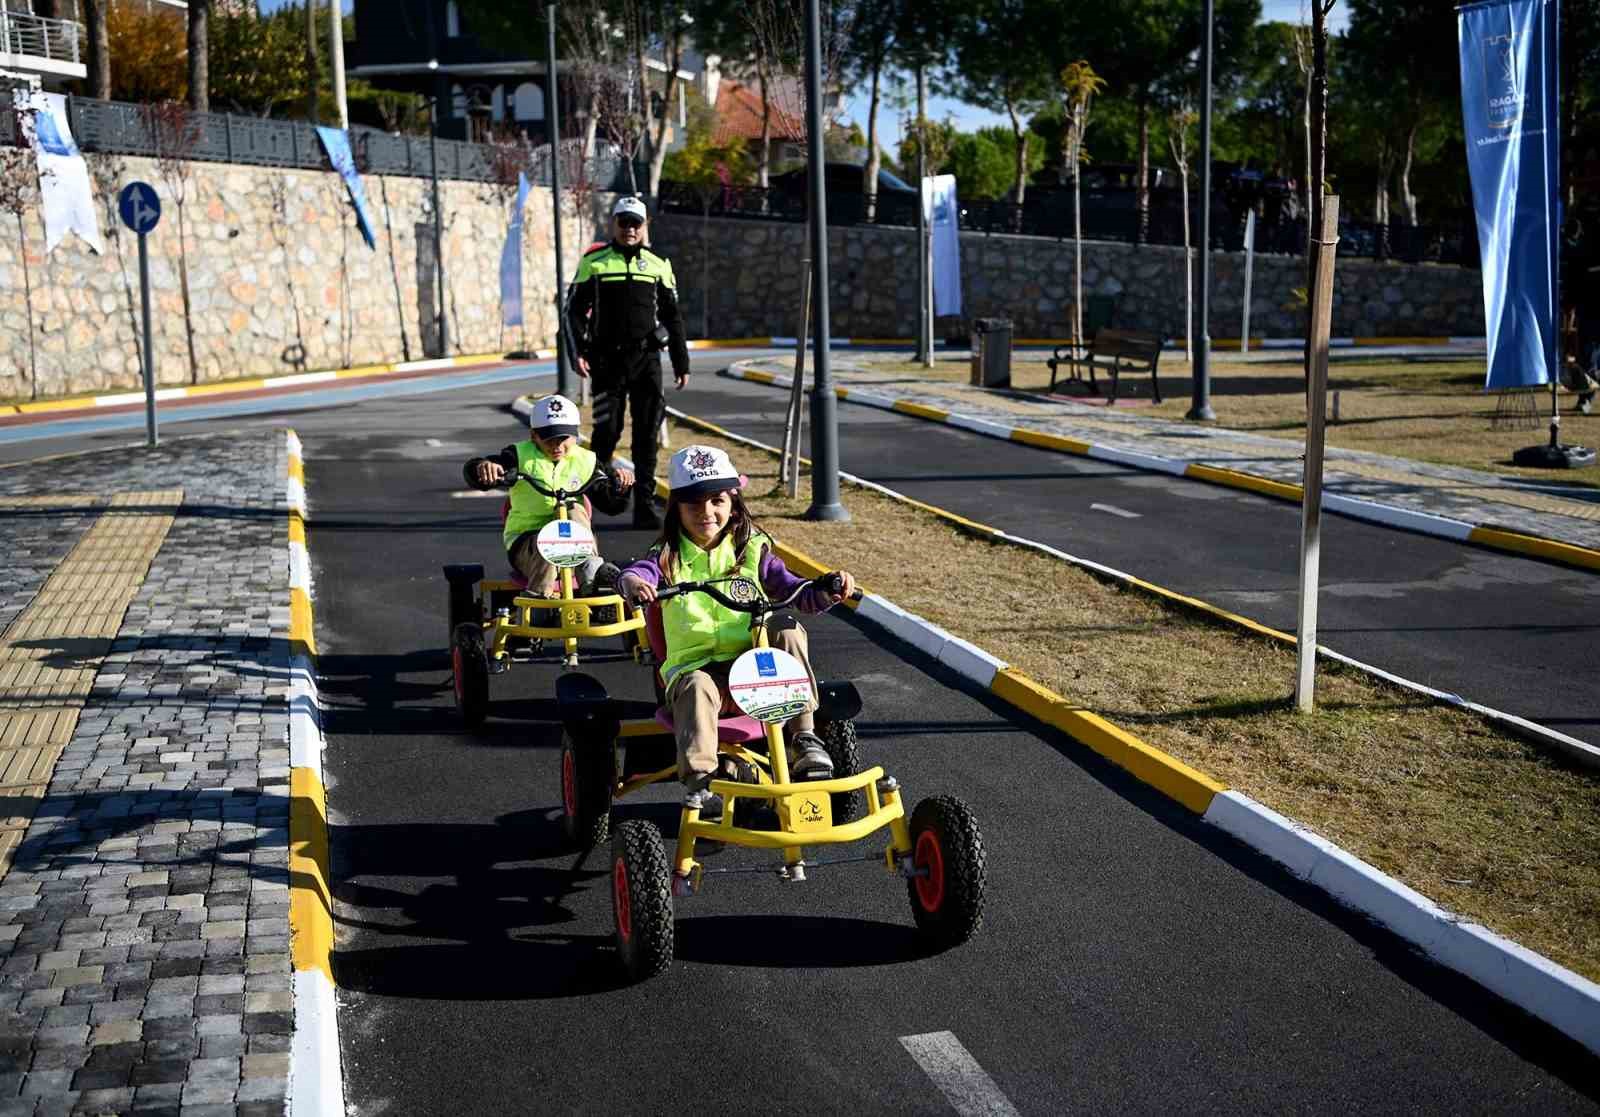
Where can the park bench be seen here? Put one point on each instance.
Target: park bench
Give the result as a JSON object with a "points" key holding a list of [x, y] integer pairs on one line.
{"points": [[1116, 351]]}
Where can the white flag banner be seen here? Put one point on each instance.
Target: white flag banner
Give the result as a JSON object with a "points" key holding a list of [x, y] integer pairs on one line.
{"points": [[64, 191], [943, 214]]}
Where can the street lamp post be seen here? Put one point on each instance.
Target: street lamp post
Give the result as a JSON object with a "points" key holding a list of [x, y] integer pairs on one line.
{"points": [[1200, 404], [563, 371], [824, 418]]}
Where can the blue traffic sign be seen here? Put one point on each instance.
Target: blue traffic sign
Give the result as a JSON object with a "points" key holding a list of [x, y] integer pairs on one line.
{"points": [[139, 207]]}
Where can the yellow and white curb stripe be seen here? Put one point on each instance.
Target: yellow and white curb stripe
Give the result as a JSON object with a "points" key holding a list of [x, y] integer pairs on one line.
{"points": [[1555, 994], [1423, 523], [316, 1084], [294, 380]]}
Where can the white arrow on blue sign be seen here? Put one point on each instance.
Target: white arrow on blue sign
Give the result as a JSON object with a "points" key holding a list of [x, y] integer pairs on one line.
{"points": [[139, 207]]}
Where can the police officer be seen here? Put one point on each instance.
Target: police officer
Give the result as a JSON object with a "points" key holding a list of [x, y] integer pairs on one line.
{"points": [[622, 314]]}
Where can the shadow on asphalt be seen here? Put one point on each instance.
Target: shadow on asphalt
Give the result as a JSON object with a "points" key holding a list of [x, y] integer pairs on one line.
{"points": [[1507, 1024], [797, 941]]}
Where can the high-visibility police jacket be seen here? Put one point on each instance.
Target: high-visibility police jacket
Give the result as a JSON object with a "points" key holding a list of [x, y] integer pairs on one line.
{"points": [[530, 509], [698, 629], [618, 298]]}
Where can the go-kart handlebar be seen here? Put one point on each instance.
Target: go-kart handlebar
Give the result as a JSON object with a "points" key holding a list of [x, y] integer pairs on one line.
{"points": [[828, 583], [596, 479]]}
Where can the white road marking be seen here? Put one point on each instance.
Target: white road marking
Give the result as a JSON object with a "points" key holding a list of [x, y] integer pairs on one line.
{"points": [[964, 1084], [468, 494], [1115, 511], [432, 442]]}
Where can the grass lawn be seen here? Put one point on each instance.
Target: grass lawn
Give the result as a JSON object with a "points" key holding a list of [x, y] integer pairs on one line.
{"points": [[1425, 409], [1485, 824]]}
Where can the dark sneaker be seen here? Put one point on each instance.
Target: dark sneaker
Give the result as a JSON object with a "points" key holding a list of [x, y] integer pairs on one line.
{"points": [[808, 758], [709, 804]]}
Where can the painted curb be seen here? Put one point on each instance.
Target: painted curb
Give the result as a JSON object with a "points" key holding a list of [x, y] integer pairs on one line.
{"points": [[1561, 998], [1498, 539], [316, 1083], [254, 384]]}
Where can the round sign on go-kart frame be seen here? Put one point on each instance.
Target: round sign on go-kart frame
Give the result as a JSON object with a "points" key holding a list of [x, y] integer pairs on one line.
{"points": [[566, 543], [769, 685]]}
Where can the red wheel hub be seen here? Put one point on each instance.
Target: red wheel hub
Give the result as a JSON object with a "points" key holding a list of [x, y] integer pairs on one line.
{"points": [[930, 858], [569, 783], [619, 895]]}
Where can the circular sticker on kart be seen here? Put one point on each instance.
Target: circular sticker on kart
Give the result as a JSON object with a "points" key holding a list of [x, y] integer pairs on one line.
{"points": [[770, 685], [566, 543]]}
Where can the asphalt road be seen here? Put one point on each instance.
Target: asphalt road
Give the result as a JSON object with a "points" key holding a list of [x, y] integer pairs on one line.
{"points": [[1512, 633], [1131, 960]]}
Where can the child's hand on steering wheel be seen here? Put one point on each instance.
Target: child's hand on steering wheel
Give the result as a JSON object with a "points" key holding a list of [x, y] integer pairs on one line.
{"points": [[490, 473], [622, 479], [636, 589], [847, 589]]}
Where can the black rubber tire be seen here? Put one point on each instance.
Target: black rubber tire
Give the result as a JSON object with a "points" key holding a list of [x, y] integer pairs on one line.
{"points": [[840, 739], [641, 900], [586, 783], [948, 907], [469, 666], [464, 607]]}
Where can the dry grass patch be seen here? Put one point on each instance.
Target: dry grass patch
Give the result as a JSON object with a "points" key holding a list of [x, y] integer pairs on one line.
{"points": [[1425, 409], [1482, 823]]}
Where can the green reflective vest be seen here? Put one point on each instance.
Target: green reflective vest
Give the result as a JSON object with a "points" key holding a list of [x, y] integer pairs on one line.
{"points": [[531, 509], [698, 629]]}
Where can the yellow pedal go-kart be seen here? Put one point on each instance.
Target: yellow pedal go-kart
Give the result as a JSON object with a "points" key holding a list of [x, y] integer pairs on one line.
{"points": [[495, 623], [938, 851]]}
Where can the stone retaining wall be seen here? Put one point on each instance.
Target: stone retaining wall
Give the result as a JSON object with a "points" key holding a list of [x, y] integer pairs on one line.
{"points": [[754, 284], [280, 278]]}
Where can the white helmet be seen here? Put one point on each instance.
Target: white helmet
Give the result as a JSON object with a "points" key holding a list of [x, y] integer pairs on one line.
{"points": [[554, 417]]}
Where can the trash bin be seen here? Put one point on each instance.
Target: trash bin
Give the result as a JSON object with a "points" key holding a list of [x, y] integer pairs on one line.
{"points": [[991, 353]]}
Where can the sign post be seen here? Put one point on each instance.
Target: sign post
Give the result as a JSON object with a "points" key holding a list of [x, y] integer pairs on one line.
{"points": [[141, 210], [1321, 325], [1249, 266]]}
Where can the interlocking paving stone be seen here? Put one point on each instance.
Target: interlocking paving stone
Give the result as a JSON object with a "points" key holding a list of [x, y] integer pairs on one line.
{"points": [[147, 901]]}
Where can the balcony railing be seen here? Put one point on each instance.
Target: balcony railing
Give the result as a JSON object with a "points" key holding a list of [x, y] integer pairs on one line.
{"points": [[24, 36]]}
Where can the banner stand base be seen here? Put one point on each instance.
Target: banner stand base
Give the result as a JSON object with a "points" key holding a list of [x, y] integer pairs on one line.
{"points": [[1546, 456]]}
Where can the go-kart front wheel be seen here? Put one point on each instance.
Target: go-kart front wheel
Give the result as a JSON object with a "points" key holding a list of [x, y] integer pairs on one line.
{"points": [[947, 852], [641, 899], [469, 664], [839, 737], [586, 781]]}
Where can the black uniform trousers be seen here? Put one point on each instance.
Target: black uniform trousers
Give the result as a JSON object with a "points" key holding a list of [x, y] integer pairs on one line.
{"points": [[623, 381]]}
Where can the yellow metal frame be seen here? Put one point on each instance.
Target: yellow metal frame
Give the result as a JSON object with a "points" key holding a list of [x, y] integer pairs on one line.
{"points": [[884, 806], [575, 613]]}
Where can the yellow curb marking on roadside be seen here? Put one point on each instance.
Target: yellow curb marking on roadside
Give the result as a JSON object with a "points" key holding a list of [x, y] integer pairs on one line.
{"points": [[1236, 480], [1533, 545], [297, 528], [297, 469], [50, 652], [300, 627], [1167, 774], [1048, 441], [906, 407], [759, 377], [310, 899]]}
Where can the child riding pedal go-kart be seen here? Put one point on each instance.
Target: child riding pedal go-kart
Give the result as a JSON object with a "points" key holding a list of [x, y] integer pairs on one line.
{"points": [[751, 728], [549, 544]]}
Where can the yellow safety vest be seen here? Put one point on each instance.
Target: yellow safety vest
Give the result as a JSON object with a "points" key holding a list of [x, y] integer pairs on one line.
{"points": [[698, 629], [531, 509]]}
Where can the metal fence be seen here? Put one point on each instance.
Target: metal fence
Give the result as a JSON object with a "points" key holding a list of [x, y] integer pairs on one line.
{"points": [[123, 128], [58, 40], [1111, 216]]}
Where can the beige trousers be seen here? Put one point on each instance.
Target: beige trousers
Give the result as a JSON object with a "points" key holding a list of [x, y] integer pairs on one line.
{"points": [[698, 697], [542, 577]]}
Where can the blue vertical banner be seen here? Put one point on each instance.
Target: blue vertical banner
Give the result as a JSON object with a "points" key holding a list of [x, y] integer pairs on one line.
{"points": [[336, 142], [943, 215], [1510, 97], [511, 260]]}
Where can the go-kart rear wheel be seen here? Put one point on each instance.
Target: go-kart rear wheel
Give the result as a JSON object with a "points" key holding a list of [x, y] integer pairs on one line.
{"points": [[947, 852], [586, 781], [840, 739], [470, 665], [464, 607], [641, 899]]}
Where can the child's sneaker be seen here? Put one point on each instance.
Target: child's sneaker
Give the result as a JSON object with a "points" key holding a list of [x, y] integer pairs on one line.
{"points": [[708, 803], [808, 757]]}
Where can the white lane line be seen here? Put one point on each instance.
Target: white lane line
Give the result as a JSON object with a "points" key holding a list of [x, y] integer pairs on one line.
{"points": [[965, 1085], [432, 442], [469, 494], [1115, 511]]}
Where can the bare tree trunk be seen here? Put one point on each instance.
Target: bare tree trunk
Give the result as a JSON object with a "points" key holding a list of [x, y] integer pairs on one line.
{"points": [[591, 125], [1408, 200], [188, 308], [99, 49], [705, 267], [1142, 233], [199, 60], [763, 169], [1077, 258], [27, 295], [394, 270], [869, 181], [311, 59], [658, 148], [1188, 269], [1019, 186]]}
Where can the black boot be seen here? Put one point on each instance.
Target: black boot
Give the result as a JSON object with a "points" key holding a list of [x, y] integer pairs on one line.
{"points": [[644, 513]]}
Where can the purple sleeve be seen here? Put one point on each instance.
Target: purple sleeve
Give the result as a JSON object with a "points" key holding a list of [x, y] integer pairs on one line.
{"points": [[779, 583], [647, 570]]}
